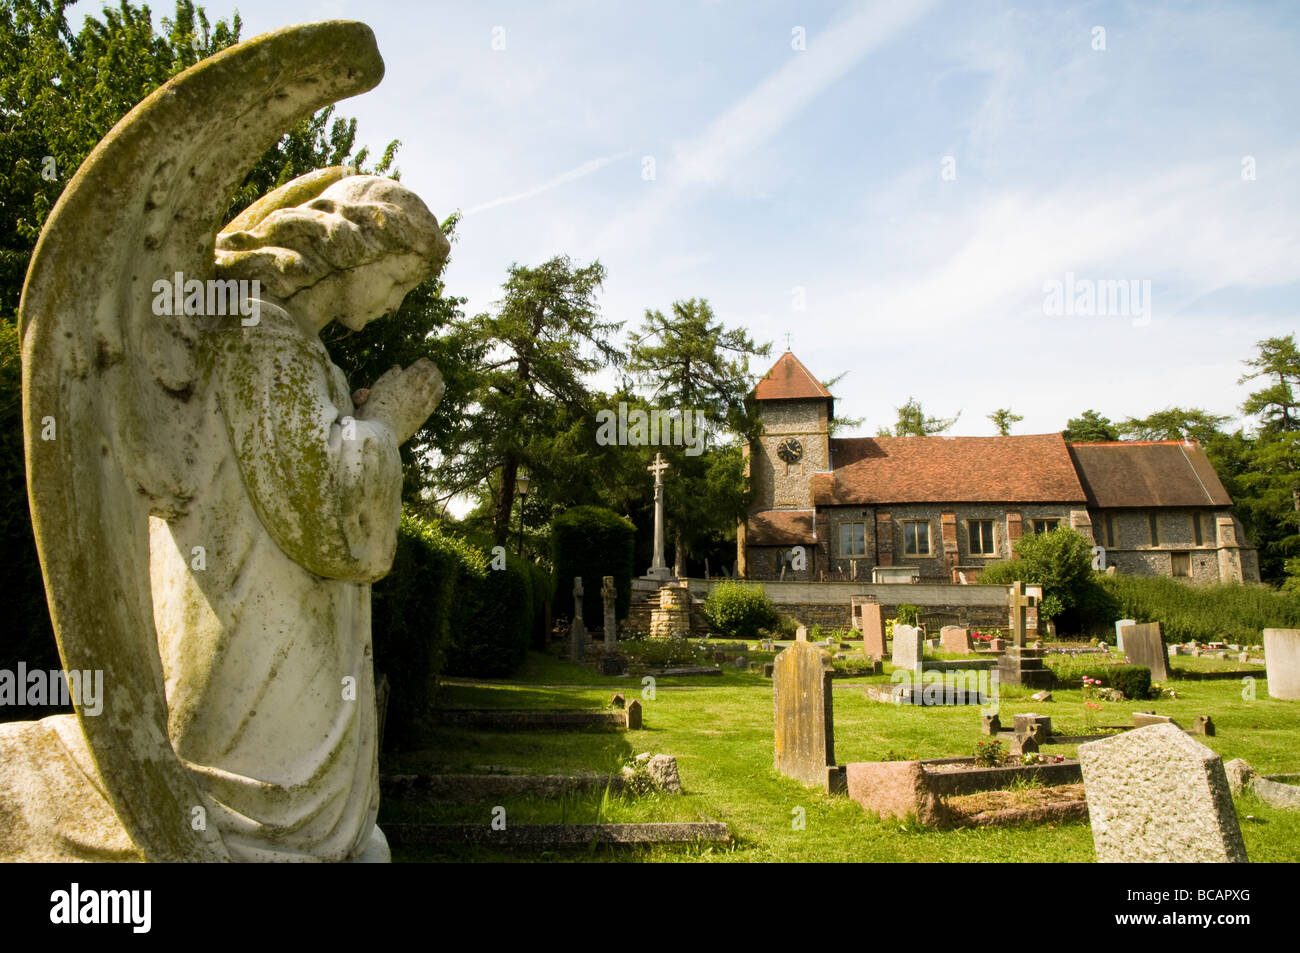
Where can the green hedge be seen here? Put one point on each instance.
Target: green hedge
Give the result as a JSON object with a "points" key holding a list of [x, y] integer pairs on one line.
{"points": [[412, 612], [1228, 611], [494, 627], [1133, 680], [592, 542], [443, 609], [737, 610]]}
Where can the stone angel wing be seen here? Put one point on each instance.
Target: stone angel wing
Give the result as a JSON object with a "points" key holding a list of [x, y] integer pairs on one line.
{"points": [[110, 389]]}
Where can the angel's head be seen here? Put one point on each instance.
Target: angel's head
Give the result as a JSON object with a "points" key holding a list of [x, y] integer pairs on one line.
{"points": [[349, 252]]}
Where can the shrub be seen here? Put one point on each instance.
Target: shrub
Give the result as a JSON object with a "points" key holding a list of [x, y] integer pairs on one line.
{"points": [[1133, 680], [907, 614], [1202, 613], [989, 754], [411, 617], [493, 629], [737, 610], [1060, 562], [592, 542]]}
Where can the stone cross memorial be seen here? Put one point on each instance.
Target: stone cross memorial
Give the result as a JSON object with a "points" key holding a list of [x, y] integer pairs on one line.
{"points": [[1155, 795], [577, 630], [658, 568], [805, 723], [1282, 663], [608, 596], [1144, 644]]}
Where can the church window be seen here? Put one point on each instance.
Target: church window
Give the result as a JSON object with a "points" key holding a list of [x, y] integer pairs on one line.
{"points": [[1196, 529], [853, 539], [1045, 526], [1154, 526], [1110, 530], [916, 538], [981, 538]]}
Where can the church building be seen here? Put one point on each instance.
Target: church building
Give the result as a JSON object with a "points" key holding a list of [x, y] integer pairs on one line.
{"points": [[938, 509]]}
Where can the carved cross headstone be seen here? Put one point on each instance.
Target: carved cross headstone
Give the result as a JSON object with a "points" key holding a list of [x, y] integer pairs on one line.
{"points": [[658, 568], [577, 631], [609, 595], [1020, 606]]}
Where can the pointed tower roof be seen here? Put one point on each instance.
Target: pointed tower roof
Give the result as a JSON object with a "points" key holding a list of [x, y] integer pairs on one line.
{"points": [[790, 380]]}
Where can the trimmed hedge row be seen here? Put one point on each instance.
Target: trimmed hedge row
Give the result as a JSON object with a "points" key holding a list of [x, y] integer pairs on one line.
{"points": [[592, 542], [443, 609]]}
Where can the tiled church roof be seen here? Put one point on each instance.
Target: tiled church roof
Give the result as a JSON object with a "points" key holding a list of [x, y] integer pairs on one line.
{"points": [[1149, 473], [1019, 469], [789, 380]]}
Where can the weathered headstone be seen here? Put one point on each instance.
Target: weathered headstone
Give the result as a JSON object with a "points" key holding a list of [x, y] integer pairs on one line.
{"points": [[873, 631], [990, 724], [1203, 725], [609, 596], [1156, 795], [907, 647], [1282, 663], [801, 634], [1120, 626], [804, 721], [577, 631], [954, 638], [1144, 644]]}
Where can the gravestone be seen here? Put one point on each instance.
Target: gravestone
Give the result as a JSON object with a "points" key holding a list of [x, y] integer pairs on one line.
{"points": [[1282, 663], [1156, 795], [577, 631], [801, 634], [608, 596], [1120, 626], [1020, 664], [804, 722], [873, 631], [954, 638], [907, 647], [1144, 644]]}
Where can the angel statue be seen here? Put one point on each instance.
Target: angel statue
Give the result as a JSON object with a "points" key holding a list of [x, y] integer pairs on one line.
{"points": [[210, 503]]}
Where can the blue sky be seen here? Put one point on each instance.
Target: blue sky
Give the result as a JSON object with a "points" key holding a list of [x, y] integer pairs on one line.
{"points": [[913, 177]]}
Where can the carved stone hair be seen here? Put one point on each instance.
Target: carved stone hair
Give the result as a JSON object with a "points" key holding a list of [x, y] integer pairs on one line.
{"points": [[357, 220]]}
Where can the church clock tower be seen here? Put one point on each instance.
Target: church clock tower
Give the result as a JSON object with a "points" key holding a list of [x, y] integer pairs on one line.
{"points": [[796, 411]]}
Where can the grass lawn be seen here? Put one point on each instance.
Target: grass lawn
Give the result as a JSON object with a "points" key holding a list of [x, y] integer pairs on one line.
{"points": [[720, 730]]}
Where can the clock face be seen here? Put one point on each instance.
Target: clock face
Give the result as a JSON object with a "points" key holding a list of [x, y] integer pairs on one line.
{"points": [[790, 450]]}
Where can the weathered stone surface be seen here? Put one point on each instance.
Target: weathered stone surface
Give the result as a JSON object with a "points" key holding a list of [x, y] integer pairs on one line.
{"points": [[893, 789], [1041, 696], [1024, 744], [235, 500], [1144, 644], [1157, 795], [1282, 663], [873, 631], [1120, 626], [50, 808], [1242, 778], [954, 638], [804, 720], [907, 652], [1203, 725], [1032, 723], [662, 769], [1143, 718], [990, 724]]}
